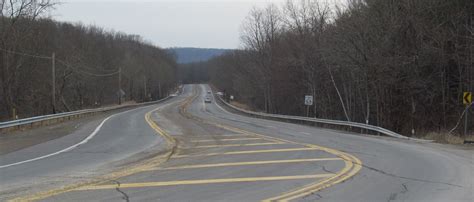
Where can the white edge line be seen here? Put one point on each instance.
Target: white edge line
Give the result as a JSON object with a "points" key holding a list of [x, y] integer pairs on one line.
{"points": [[73, 146], [64, 150], [215, 103]]}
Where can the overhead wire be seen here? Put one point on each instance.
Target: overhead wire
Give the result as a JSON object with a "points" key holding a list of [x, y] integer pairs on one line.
{"points": [[78, 70], [85, 72], [26, 54]]}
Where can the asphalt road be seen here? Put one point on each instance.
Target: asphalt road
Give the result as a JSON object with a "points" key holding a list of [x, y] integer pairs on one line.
{"points": [[188, 150], [123, 139]]}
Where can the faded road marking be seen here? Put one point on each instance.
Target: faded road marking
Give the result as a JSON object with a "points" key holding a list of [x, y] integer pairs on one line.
{"points": [[352, 164], [206, 181], [225, 140], [240, 145], [249, 152], [147, 164], [248, 163]]}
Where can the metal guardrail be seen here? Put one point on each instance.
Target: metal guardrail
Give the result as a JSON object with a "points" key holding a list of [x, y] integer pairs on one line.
{"points": [[50, 117], [323, 121]]}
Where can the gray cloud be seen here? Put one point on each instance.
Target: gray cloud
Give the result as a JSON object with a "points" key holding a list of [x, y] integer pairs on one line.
{"points": [[165, 23]]}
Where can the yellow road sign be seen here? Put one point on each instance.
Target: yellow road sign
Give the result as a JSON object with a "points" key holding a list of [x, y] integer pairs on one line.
{"points": [[467, 98]]}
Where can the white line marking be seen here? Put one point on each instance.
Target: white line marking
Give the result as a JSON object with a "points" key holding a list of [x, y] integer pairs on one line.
{"points": [[64, 150], [73, 146]]}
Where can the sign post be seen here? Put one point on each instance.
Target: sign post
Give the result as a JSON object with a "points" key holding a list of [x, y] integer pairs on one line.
{"points": [[15, 117], [120, 94], [466, 100], [308, 101]]}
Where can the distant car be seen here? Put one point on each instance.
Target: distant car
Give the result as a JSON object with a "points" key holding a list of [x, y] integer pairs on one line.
{"points": [[207, 99], [209, 92]]}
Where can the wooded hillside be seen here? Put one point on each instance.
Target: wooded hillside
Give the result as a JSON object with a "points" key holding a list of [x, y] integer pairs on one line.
{"points": [[91, 64], [399, 64], [195, 55]]}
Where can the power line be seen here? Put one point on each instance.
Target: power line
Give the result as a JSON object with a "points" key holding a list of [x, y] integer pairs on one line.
{"points": [[95, 69], [25, 54], [63, 63], [85, 72]]}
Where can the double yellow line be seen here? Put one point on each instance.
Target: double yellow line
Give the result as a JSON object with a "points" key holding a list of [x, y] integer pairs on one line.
{"points": [[143, 166], [352, 165]]}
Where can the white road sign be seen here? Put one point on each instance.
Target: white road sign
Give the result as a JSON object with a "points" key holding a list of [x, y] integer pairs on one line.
{"points": [[308, 100]]}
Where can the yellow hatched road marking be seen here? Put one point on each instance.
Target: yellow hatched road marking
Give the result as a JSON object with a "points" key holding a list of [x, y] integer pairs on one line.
{"points": [[248, 152], [351, 168], [207, 136], [240, 145], [206, 181], [229, 139], [248, 163], [232, 135], [153, 162], [352, 165]]}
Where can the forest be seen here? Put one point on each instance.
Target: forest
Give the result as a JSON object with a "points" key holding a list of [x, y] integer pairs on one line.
{"points": [[50, 67], [399, 64]]}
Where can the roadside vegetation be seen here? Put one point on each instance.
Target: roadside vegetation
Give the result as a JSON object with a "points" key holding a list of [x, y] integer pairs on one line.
{"points": [[91, 64], [401, 65]]}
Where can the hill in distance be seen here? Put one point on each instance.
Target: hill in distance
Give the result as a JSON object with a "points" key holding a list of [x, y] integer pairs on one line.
{"points": [[190, 55]]}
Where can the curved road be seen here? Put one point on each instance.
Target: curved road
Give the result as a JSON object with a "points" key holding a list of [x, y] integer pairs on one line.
{"points": [[188, 150]]}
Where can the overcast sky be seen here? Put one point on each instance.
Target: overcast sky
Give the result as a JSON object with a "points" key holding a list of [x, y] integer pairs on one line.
{"points": [[166, 23]]}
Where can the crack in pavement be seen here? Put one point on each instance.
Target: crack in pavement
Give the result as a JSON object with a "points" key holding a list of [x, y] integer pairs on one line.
{"points": [[408, 178], [124, 195], [393, 196], [315, 194]]}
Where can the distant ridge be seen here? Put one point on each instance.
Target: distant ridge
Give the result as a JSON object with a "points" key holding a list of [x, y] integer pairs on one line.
{"points": [[189, 55]]}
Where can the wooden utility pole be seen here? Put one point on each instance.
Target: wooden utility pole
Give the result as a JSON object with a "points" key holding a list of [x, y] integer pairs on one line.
{"points": [[159, 90], [119, 93], [144, 86], [53, 82], [307, 110]]}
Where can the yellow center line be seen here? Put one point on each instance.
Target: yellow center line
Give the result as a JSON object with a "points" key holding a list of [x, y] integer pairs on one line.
{"points": [[240, 145], [132, 169], [225, 140], [206, 181], [248, 152], [205, 136], [352, 165], [248, 163]]}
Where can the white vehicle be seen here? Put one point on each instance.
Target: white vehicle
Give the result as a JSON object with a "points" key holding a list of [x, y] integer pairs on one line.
{"points": [[207, 99]]}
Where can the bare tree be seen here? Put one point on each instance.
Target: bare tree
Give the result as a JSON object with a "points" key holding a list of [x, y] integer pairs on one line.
{"points": [[260, 36]]}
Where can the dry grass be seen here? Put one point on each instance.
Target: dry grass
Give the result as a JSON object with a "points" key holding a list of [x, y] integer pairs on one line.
{"points": [[240, 105], [446, 138]]}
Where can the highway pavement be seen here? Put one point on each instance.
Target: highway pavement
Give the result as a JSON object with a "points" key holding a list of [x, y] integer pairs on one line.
{"points": [[188, 150]]}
